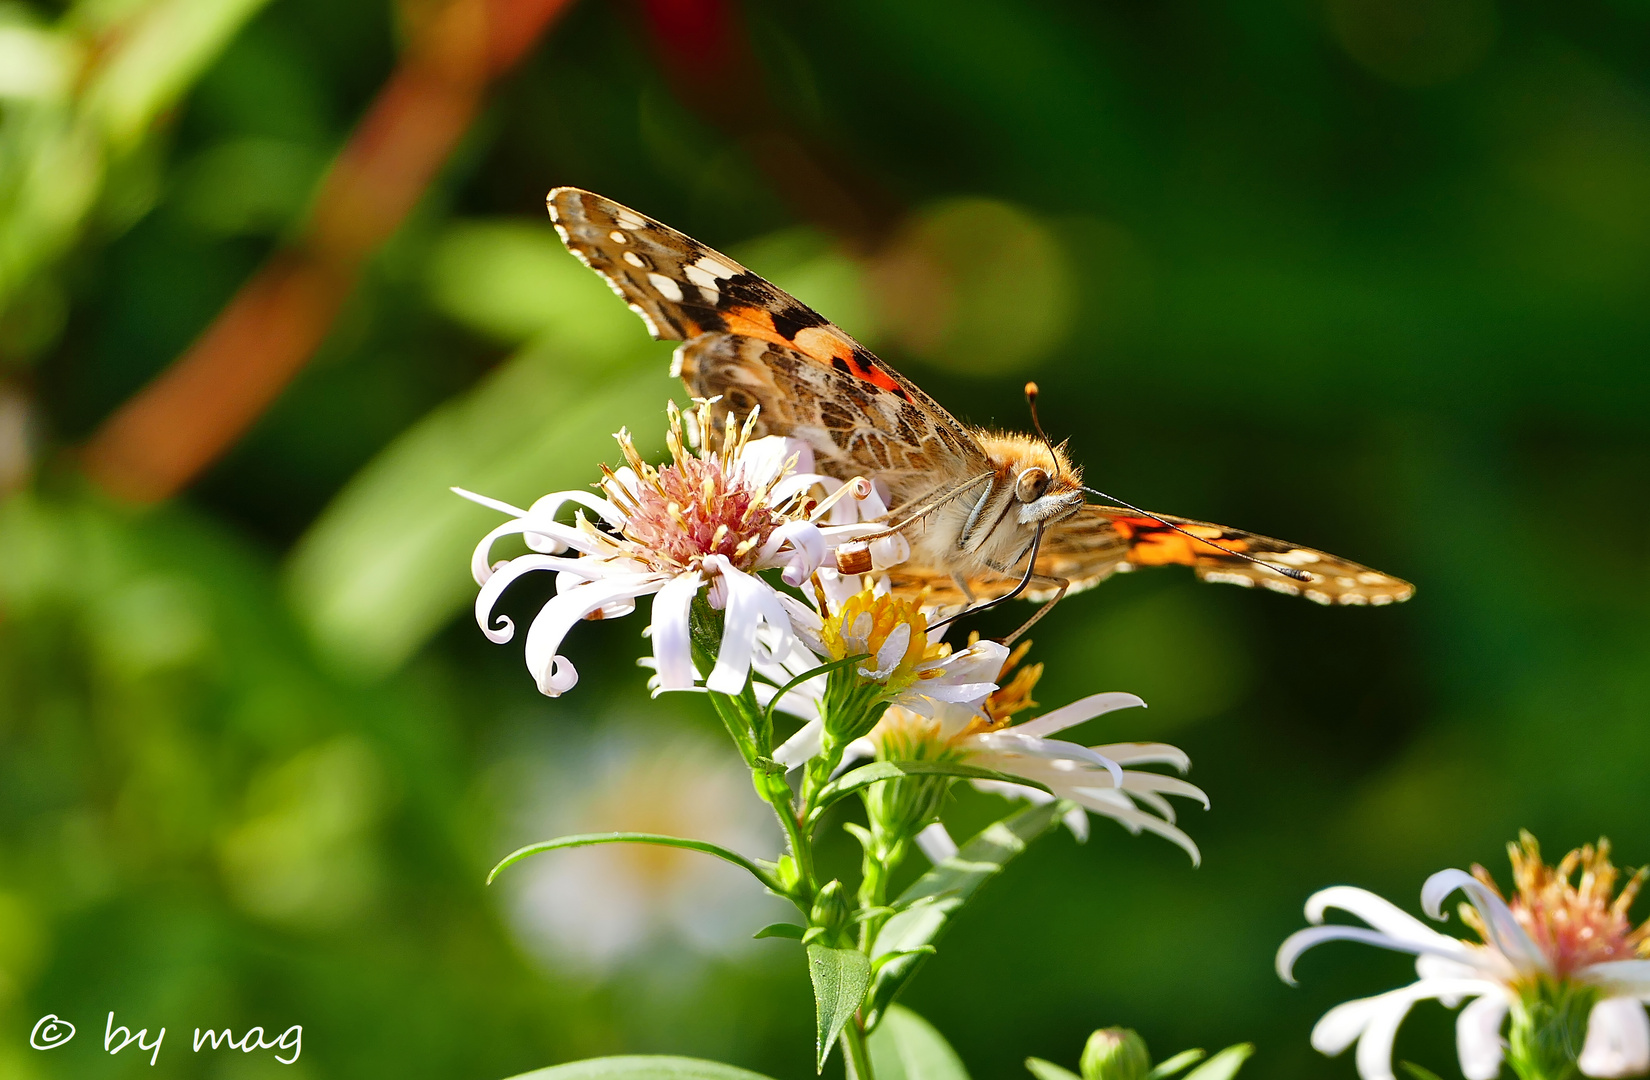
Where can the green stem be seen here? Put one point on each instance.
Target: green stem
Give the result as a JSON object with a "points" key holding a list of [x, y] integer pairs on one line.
{"points": [[858, 1054]]}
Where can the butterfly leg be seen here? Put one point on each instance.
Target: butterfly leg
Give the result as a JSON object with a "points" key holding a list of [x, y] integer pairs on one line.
{"points": [[1061, 584], [1031, 563], [962, 586]]}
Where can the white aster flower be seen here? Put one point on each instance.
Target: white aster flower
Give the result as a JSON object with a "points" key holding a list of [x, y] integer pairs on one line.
{"points": [[1094, 777], [708, 522], [1555, 941]]}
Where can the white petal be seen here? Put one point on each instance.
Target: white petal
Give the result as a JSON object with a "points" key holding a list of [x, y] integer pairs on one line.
{"points": [[750, 602], [494, 586], [1380, 913], [1145, 753], [1078, 822], [1618, 1039], [1078, 711], [1301, 940], [550, 505], [489, 502], [1012, 742], [1171, 785], [893, 648], [554, 673], [672, 641], [807, 551], [1619, 978], [1505, 933], [936, 843], [1478, 1042], [979, 663], [806, 743]]}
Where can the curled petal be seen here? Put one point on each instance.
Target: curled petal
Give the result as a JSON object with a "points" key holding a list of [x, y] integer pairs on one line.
{"points": [[546, 508], [1301, 940], [1478, 1042], [1618, 1040], [1378, 912], [555, 674], [494, 587], [807, 552], [1142, 782], [1078, 711], [1504, 932]]}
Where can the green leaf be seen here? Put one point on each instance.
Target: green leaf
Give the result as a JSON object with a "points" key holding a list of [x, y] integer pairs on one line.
{"points": [[587, 839], [877, 772], [926, 908], [906, 1047], [1224, 1065], [1182, 1060], [1047, 1070], [641, 1067], [1417, 1072], [780, 929], [840, 977]]}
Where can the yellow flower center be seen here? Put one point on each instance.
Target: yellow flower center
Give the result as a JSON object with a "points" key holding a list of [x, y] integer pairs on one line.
{"points": [[867, 624]]}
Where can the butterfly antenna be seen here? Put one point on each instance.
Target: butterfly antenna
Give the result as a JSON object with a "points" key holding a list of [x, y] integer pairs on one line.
{"points": [[1287, 571], [1031, 403]]}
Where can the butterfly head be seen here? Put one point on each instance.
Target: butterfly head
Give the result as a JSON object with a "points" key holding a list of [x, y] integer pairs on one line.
{"points": [[1047, 486]]}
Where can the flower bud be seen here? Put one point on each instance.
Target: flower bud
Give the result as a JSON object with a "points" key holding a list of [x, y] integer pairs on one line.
{"points": [[831, 914], [1115, 1054]]}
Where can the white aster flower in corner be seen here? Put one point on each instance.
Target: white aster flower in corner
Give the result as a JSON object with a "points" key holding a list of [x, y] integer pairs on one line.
{"points": [[707, 522], [1561, 957]]}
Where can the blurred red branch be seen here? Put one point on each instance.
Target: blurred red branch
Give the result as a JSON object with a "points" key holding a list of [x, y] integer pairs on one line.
{"points": [[180, 423]]}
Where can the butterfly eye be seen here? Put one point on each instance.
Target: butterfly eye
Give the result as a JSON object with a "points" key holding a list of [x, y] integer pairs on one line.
{"points": [[1031, 485]]}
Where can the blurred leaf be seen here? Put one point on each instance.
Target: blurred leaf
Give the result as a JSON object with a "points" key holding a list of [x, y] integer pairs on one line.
{"points": [[1182, 1060], [515, 281], [1047, 1070], [906, 1047], [387, 563], [641, 1067], [780, 930], [927, 907], [159, 53], [1224, 1065], [840, 977], [589, 839]]}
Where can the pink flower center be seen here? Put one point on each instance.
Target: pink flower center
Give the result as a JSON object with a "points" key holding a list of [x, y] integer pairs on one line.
{"points": [[692, 509]]}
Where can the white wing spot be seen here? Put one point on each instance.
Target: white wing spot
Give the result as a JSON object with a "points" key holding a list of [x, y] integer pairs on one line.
{"points": [[1296, 557], [700, 277], [629, 218], [1284, 587], [618, 237], [667, 288], [1369, 577], [633, 259], [714, 267], [1380, 599], [1318, 596], [561, 231]]}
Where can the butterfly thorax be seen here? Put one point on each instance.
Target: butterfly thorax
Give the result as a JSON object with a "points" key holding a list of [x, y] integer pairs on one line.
{"points": [[990, 521]]}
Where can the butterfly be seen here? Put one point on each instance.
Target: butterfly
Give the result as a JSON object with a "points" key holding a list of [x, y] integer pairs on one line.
{"points": [[987, 515]]}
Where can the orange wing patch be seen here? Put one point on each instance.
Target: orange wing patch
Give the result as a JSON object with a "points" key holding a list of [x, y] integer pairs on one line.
{"points": [[1151, 543]]}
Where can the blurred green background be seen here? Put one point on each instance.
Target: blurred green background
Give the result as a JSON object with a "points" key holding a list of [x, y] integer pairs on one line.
{"points": [[1373, 275]]}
